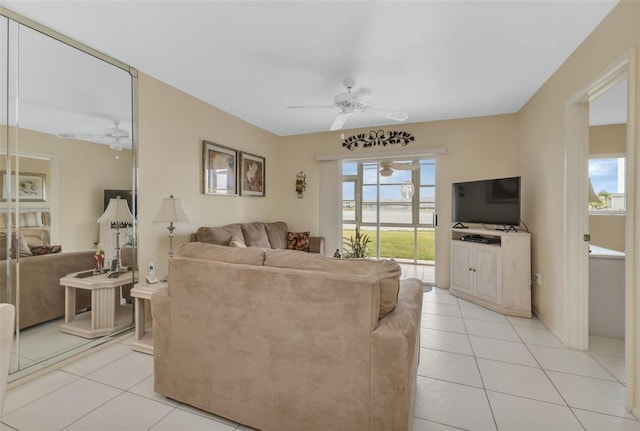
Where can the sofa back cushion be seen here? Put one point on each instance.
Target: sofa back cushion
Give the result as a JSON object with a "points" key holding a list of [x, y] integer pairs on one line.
{"points": [[198, 250], [387, 271], [219, 235], [255, 235], [277, 234]]}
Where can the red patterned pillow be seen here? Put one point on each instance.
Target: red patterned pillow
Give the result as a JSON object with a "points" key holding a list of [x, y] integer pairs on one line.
{"points": [[298, 241], [39, 250]]}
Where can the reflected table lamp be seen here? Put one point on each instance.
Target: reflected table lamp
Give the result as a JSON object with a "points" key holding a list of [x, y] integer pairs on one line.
{"points": [[171, 212], [117, 212]]}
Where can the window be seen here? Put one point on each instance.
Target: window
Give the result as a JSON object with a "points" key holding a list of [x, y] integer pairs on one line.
{"points": [[608, 177]]}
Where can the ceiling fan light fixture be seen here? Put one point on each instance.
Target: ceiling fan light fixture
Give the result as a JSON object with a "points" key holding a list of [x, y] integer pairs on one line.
{"points": [[386, 171]]}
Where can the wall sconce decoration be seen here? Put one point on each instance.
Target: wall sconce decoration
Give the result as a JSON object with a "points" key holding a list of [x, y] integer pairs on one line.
{"points": [[301, 183], [374, 138]]}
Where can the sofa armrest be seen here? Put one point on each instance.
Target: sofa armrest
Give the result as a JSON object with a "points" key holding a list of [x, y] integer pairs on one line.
{"points": [[316, 244], [395, 349]]}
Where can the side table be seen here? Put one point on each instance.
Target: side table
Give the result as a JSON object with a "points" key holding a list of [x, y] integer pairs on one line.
{"points": [[107, 315], [143, 339]]}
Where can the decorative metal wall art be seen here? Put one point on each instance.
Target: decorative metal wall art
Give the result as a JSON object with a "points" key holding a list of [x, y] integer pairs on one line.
{"points": [[380, 137], [301, 183]]}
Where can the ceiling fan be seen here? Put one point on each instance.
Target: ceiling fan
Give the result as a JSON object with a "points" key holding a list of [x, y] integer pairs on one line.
{"points": [[387, 167], [351, 102], [114, 134]]}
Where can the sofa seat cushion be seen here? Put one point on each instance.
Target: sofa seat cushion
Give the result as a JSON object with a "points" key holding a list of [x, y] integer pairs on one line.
{"points": [[387, 271], [250, 256], [255, 235], [220, 235]]}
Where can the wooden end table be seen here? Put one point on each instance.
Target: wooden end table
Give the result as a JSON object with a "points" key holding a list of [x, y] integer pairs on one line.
{"points": [[107, 315], [143, 339]]}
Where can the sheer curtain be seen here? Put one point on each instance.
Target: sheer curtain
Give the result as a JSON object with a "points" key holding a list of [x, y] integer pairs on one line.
{"points": [[330, 218]]}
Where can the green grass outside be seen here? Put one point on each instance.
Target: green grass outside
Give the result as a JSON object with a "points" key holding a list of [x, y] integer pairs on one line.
{"points": [[398, 244]]}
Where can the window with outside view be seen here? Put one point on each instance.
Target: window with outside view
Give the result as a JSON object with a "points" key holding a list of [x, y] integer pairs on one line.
{"points": [[607, 175]]}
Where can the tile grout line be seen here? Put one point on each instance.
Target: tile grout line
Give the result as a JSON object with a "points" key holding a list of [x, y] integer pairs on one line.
{"points": [[550, 380], [475, 359]]}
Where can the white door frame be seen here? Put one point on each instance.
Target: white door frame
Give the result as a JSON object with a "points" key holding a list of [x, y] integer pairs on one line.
{"points": [[576, 222]]}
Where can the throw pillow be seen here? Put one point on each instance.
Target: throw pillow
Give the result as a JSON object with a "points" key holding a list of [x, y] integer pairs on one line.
{"points": [[236, 242], [3, 246], [39, 250], [298, 241], [19, 246]]}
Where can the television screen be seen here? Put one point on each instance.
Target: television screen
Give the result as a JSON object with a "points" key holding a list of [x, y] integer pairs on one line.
{"points": [[124, 194], [494, 201]]}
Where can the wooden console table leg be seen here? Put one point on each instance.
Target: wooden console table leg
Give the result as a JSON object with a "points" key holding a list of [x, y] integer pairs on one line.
{"points": [[103, 310], [139, 318], [69, 304]]}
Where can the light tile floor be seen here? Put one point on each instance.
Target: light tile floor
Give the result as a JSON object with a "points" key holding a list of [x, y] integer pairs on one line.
{"points": [[478, 370]]}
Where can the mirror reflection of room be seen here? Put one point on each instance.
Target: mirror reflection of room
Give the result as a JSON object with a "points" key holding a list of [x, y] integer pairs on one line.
{"points": [[74, 142], [607, 221]]}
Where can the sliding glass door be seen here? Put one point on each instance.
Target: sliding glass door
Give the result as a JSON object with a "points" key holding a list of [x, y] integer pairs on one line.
{"points": [[393, 202]]}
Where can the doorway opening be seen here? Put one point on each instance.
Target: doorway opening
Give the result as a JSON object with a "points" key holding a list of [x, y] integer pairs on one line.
{"points": [[578, 221]]}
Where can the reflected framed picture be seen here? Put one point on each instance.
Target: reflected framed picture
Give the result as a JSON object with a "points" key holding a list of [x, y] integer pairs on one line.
{"points": [[219, 170], [31, 186], [252, 174]]}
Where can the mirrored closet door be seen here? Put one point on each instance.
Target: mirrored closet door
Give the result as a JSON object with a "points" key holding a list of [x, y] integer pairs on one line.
{"points": [[67, 148]]}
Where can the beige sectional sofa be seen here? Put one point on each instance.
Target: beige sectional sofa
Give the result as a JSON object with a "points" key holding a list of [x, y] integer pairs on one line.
{"points": [[41, 296], [273, 235], [283, 340]]}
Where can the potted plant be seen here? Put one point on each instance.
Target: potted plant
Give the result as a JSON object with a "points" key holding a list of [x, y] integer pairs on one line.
{"points": [[359, 244], [129, 248]]}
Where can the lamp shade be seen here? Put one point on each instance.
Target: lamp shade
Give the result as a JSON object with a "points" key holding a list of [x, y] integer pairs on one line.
{"points": [[593, 197], [117, 212], [171, 211]]}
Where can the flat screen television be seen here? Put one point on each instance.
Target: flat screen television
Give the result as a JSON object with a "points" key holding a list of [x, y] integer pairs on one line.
{"points": [[124, 194], [494, 201]]}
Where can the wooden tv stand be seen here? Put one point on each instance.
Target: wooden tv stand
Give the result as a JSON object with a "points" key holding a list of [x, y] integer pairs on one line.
{"points": [[496, 274]]}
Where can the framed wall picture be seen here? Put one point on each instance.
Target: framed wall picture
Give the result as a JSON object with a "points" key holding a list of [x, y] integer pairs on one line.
{"points": [[220, 170], [31, 186], [252, 175]]}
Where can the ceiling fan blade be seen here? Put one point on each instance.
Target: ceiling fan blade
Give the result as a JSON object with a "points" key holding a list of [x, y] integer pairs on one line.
{"points": [[80, 136], [362, 94], [341, 118], [311, 106], [379, 112]]}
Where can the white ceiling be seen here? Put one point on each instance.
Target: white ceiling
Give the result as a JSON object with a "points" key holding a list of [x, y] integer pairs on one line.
{"points": [[432, 59]]}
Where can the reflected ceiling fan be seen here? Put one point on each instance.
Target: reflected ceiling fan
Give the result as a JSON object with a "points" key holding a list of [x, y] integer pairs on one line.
{"points": [[115, 135], [351, 102], [387, 167]]}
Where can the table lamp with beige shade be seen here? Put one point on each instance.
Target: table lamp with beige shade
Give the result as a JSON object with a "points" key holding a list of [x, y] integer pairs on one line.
{"points": [[117, 212]]}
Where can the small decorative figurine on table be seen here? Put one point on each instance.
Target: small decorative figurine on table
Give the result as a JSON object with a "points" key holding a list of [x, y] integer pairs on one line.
{"points": [[99, 258]]}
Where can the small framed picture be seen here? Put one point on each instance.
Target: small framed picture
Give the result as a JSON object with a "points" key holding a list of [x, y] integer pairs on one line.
{"points": [[31, 186], [252, 175], [219, 170]]}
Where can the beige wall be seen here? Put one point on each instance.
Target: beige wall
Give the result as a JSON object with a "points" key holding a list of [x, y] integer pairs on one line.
{"points": [[541, 137], [608, 230], [80, 171], [477, 148], [172, 126]]}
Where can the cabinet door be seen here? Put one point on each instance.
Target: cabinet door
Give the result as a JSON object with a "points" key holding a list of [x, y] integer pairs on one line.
{"points": [[461, 271], [488, 273]]}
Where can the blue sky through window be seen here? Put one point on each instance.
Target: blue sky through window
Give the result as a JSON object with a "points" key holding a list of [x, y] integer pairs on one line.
{"points": [[370, 177], [604, 174]]}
